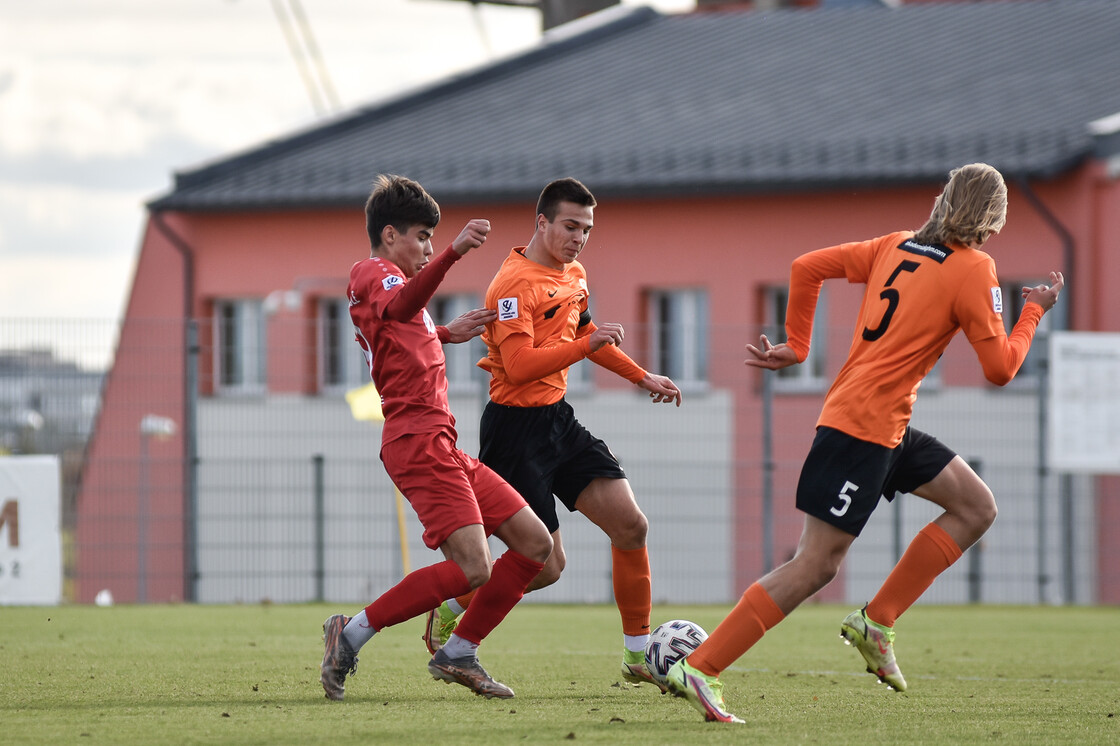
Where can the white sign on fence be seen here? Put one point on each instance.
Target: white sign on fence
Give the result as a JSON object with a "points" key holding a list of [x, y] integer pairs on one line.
{"points": [[1084, 402], [30, 531]]}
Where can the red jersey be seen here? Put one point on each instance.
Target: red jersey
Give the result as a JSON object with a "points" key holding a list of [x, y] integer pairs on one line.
{"points": [[917, 298], [401, 344]]}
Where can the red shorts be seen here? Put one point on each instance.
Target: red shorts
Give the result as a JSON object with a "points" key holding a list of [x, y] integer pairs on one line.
{"points": [[447, 488]]}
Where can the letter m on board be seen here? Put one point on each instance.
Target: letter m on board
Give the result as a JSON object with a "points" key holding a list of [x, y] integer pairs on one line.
{"points": [[9, 516]]}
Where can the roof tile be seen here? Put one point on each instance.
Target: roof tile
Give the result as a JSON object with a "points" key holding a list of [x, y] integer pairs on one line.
{"points": [[729, 101]]}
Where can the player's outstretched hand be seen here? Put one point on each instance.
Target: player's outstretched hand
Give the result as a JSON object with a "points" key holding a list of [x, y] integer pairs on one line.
{"points": [[770, 356], [661, 389], [472, 236], [607, 334], [469, 325], [1046, 295]]}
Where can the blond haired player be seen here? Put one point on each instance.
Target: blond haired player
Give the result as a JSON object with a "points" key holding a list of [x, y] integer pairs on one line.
{"points": [[921, 289]]}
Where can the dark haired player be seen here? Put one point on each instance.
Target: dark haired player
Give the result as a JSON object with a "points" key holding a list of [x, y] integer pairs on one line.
{"points": [[458, 500]]}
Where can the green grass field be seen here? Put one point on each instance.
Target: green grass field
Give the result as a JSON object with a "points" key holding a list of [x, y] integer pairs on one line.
{"points": [[249, 675]]}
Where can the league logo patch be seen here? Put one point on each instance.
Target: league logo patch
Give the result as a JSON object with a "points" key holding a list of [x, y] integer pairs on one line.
{"points": [[997, 299], [507, 309], [390, 281]]}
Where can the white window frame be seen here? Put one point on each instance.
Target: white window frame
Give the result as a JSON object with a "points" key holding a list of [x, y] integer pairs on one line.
{"points": [[679, 330], [342, 363], [580, 379], [463, 373], [809, 376], [1030, 372], [240, 346]]}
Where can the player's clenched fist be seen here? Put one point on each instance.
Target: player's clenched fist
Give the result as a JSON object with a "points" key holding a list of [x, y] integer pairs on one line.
{"points": [[472, 236], [607, 334]]}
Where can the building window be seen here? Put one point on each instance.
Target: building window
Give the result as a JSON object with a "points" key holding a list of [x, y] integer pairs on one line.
{"points": [[240, 335], [579, 373], [678, 341], [463, 372], [342, 364], [809, 375]]}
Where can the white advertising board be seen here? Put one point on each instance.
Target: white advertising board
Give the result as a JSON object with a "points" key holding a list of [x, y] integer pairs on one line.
{"points": [[30, 531], [1084, 402]]}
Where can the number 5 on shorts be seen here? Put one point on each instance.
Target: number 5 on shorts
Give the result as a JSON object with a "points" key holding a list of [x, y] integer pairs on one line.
{"points": [[845, 500]]}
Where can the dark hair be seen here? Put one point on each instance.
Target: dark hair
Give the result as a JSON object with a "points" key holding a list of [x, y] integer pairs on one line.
{"points": [[401, 203], [563, 190]]}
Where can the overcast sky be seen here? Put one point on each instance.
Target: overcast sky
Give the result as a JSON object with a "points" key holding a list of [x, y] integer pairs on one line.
{"points": [[101, 101]]}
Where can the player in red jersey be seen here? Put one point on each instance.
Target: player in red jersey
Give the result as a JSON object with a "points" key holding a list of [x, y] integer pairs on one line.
{"points": [[529, 433], [921, 289], [458, 500]]}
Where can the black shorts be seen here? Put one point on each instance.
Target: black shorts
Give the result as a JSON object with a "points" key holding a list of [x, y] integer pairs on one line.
{"points": [[843, 477], [544, 451]]}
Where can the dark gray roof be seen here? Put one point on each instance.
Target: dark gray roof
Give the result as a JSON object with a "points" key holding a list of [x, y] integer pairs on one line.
{"points": [[710, 102]]}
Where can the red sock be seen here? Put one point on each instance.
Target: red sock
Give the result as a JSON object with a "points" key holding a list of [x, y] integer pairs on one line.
{"points": [[755, 613], [511, 573], [420, 591], [632, 589], [931, 553]]}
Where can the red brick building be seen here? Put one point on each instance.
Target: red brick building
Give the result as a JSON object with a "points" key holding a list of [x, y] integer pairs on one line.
{"points": [[720, 144]]}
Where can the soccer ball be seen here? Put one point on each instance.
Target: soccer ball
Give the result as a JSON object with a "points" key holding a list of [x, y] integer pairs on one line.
{"points": [[669, 643]]}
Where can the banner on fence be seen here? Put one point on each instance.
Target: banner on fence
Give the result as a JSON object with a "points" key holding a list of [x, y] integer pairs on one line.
{"points": [[1084, 406], [30, 530]]}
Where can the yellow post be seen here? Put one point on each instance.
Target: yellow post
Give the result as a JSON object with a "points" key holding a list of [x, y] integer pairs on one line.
{"points": [[365, 404], [401, 530]]}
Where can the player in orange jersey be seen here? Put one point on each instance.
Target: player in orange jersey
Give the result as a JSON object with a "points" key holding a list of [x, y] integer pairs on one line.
{"points": [[922, 288], [529, 434]]}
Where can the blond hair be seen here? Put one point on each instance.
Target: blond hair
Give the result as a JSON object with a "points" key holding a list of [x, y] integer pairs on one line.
{"points": [[971, 207]]}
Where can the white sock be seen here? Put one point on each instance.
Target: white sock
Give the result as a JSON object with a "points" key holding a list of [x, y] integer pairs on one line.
{"points": [[457, 647], [357, 631], [455, 607], [635, 643]]}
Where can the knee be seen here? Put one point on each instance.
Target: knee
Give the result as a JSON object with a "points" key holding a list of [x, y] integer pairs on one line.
{"points": [[631, 532], [817, 571], [826, 572], [552, 570], [525, 534], [539, 547], [978, 509], [477, 573], [985, 513]]}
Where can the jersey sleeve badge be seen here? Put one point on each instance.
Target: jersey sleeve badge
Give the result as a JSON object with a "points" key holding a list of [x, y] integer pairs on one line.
{"points": [[507, 309], [997, 299]]}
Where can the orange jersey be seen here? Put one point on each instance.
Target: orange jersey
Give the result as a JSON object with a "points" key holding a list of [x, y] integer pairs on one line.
{"points": [[538, 322], [917, 298]]}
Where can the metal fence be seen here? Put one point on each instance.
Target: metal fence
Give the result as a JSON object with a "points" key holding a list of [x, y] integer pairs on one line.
{"points": [[284, 498]]}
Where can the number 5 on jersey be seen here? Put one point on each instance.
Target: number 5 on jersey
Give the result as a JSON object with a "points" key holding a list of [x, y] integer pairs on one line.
{"points": [[891, 296], [845, 499]]}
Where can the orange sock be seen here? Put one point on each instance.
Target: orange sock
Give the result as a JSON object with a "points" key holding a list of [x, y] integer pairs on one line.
{"points": [[465, 599], [931, 553], [632, 589], [755, 613]]}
